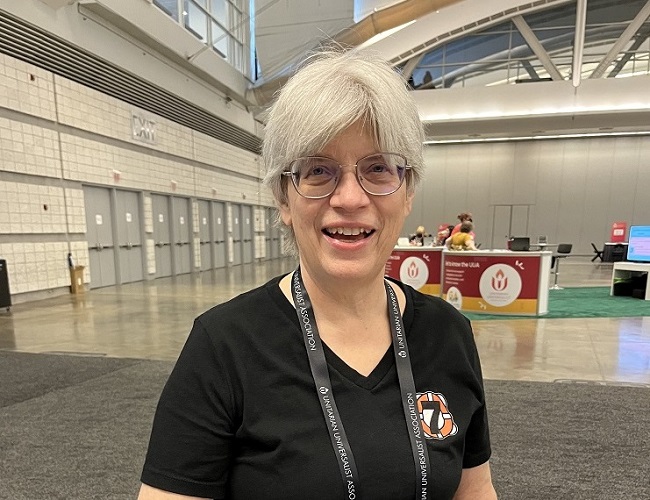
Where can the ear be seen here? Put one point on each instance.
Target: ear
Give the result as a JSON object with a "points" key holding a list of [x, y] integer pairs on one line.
{"points": [[285, 213], [408, 205]]}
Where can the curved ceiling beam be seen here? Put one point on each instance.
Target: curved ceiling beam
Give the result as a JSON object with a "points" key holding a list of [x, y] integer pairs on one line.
{"points": [[370, 26]]}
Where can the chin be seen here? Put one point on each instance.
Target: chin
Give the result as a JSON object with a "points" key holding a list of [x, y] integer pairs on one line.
{"points": [[351, 270]]}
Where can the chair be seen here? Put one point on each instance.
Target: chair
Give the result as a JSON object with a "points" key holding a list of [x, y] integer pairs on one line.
{"points": [[562, 252], [598, 253]]}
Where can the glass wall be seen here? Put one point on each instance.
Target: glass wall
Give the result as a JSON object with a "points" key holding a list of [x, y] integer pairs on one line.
{"points": [[501, 55], [224, 25]]}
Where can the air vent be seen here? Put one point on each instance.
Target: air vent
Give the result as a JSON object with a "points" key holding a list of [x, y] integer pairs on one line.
{"points": [[33, 45]]}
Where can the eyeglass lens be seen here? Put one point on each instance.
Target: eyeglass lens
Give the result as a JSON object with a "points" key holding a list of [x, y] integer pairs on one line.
{"points": [[379, 174]]}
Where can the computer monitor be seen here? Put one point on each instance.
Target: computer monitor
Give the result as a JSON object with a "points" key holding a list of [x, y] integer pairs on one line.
{"points": [[520, 244], [638, 248]]}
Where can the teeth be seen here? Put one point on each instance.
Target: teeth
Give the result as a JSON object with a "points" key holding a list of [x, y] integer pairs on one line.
{"points": [[347, 231]]}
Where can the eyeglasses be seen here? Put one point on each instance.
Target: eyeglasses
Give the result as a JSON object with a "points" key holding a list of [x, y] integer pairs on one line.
{"points": [[378, 174]]}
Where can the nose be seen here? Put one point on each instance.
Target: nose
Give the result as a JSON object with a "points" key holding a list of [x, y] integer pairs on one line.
{"points": [[349, 194]]}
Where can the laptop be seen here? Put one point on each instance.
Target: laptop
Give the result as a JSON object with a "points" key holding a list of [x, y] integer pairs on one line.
{"points": [[520, 244]]}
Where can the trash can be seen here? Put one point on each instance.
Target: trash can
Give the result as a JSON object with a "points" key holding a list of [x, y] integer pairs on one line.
{"points": [[5, 294], [77, 280]]}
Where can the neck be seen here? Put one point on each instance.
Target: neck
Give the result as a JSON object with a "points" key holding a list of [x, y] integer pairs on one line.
{"points": [[352, 319], [340, 300]]}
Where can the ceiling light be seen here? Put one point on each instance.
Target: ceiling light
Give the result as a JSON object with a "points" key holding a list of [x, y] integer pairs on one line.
{"points": [[536, 137]]}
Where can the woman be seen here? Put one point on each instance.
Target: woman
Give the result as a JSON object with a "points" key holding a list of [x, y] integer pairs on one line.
{"points": [[417, 238], [462, 217], [462, 240], [304, 388]]}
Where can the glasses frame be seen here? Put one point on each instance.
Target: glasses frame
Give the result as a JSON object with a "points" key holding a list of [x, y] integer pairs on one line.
{"points": [[293, 175]]}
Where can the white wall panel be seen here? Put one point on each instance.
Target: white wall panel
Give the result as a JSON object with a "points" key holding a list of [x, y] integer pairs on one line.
{"points": [[572, 191], [28, 149], [25, 88], [579, 187], [641, 190]]}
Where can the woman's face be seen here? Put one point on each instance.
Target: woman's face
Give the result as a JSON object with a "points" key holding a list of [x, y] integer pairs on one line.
{"points": [[350, 234]]}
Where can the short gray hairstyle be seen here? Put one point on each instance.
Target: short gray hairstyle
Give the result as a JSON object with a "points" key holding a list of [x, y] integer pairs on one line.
{"points": [[332, 91]]}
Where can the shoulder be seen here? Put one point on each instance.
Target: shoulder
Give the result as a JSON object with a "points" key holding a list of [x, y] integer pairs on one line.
{"points": [[432, 322], [248, 311], [430, 307], [422, 309]]}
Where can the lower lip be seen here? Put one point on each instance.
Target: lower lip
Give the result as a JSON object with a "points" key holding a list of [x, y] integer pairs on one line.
{"points": [[348, 246]]}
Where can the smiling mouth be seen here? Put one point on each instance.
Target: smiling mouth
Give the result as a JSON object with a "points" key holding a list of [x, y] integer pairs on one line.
{"points": [[351, 234]]}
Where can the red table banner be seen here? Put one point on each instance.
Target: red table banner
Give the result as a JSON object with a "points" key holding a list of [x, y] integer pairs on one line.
{"points": [[418, 268], [491, 284]]}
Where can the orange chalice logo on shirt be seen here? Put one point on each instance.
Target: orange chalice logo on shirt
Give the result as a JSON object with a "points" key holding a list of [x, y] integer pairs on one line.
{"points": [[437, 421]]}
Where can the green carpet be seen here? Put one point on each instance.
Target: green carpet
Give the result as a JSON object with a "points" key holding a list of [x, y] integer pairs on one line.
{"points": [[585, 302]]}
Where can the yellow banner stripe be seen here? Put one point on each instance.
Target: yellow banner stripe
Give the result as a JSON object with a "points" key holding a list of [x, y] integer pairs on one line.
{"points": [[478, 305]]}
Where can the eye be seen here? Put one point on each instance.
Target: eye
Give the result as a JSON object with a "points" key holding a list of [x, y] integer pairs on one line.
{"points": [[377, 167], [317, 170]]}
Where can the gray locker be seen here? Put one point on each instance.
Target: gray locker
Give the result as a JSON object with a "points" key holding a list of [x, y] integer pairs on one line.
{"points": [[205, 238], [268, 222], [162, 234], [219, 233], [101, 246], [129, 236], [276, 242], [181, 230]]}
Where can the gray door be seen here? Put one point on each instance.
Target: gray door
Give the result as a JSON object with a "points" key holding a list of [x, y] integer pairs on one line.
{"points": [[508, 221], [275, 239], [162, 234], [101, 247], [247, 233], [129, 237], [205, 239], [219, 233], [268, 222], [236, 234], [182, 236]]}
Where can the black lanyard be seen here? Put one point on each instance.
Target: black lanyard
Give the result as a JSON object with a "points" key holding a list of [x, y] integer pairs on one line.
{"points": [[323, 384]]}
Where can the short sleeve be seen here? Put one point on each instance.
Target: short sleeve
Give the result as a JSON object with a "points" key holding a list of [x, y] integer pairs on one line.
{"points": [[477, 440], [191, 442]]}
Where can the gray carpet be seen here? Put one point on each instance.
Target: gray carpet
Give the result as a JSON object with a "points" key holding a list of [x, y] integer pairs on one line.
{"points": [[75, 427]]}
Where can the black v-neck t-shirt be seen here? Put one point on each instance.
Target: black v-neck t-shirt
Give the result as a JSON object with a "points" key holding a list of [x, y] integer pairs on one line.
{"points": [[239, 417]]}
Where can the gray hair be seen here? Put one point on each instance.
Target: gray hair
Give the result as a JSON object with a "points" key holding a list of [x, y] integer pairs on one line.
{"points": [[331, 92]]}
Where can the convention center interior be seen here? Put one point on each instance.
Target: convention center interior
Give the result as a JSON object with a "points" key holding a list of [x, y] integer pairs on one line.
{"points": [[132, 199]]}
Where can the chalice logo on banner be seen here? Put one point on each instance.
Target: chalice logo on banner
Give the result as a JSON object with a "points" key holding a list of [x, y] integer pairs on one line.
{"points": [[414, 272], [500, 285], [499, 281]]}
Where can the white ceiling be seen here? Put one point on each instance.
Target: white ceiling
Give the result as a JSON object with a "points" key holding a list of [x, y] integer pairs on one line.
{"points": [[289, 28]]}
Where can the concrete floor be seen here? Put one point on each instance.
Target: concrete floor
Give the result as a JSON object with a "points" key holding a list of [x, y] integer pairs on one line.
{"points": [[152, 319]]}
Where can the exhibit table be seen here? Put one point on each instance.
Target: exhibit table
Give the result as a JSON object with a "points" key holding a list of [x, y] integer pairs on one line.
{"points": [[416, 266], [497, 281], [624, 270]]}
